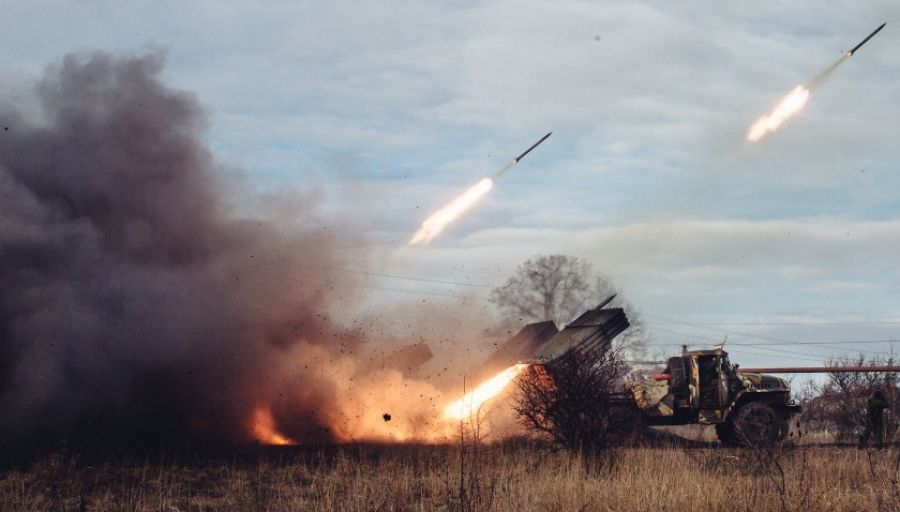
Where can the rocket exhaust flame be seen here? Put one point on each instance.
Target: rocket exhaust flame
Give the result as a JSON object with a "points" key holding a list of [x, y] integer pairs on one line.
{"points": [[435, 224], [792, 103], [797, 98], [468, 405], [786, 108]]}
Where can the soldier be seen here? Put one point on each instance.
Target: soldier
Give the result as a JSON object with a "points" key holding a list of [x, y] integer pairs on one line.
{"points": [[875, 406]]}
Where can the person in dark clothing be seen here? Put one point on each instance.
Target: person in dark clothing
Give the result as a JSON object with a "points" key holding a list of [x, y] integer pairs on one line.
{"points": [[875, 406]]}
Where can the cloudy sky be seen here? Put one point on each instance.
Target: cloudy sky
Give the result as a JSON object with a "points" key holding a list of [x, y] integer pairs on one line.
{"points": [[388, 109]]}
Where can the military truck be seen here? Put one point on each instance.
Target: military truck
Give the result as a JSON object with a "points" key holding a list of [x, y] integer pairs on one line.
{"points": [[699, 387], [703, 387]]}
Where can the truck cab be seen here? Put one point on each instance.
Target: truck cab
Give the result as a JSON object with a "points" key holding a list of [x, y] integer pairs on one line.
{"points": [[703, 387]]}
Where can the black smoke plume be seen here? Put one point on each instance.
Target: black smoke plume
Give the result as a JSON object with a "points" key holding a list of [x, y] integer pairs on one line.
{"points": [[136, 307]]}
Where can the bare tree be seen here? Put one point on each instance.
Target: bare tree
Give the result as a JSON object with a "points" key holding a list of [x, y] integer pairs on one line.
{"points": [[575, 401], [839, 405], [559, 288]]}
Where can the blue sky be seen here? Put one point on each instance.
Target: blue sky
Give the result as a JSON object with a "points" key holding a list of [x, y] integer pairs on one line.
{"points": [[388, 109]]}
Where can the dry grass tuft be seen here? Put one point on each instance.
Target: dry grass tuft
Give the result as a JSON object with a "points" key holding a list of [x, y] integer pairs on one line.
{"points": [[499, 478]]}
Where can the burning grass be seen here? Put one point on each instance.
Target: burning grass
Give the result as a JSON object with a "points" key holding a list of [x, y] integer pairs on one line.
{"points": [[505, 477]]}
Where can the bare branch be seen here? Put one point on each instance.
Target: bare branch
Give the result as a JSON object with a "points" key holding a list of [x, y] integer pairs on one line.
{"points": [[559, 288], [575, 401]]}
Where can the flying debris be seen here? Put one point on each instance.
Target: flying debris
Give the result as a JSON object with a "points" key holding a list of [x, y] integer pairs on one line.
{"points": [[864, 41], [536, 144], [439, 220]]}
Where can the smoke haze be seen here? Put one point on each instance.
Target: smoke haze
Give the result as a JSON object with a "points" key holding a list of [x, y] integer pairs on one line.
{"points": [[134, 305]]}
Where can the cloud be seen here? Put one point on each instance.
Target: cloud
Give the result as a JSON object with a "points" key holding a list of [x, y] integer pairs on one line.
{"points": [[823, 243], [389, 109], [722, 267]]}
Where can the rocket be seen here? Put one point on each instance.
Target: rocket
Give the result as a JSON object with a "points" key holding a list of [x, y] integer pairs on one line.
{"points": [[864, 41], [516, 159]]}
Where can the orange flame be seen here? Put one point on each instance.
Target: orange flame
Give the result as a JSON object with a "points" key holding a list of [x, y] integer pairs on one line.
{"points": [[786, 108], [468, 405], [264, 429], [439, 220]]}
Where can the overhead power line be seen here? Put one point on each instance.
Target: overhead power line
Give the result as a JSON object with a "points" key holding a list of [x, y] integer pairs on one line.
{"points": [[776, 344], [412, 292], [486, 285], [773, 341], [806, 323], [757, 353], [777, 341], [413, 278], [844, 342], [735, 346]]}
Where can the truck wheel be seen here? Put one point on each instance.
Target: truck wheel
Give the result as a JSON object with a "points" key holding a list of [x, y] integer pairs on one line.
{"points": [[725, 433], [758, 425]]}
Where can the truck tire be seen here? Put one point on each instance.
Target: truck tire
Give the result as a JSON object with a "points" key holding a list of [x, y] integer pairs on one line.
{"points": [[758, 425], [725, 433]]}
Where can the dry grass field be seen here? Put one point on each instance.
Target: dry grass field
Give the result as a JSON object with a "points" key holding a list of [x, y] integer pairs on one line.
{"points": [[499, 478]]}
